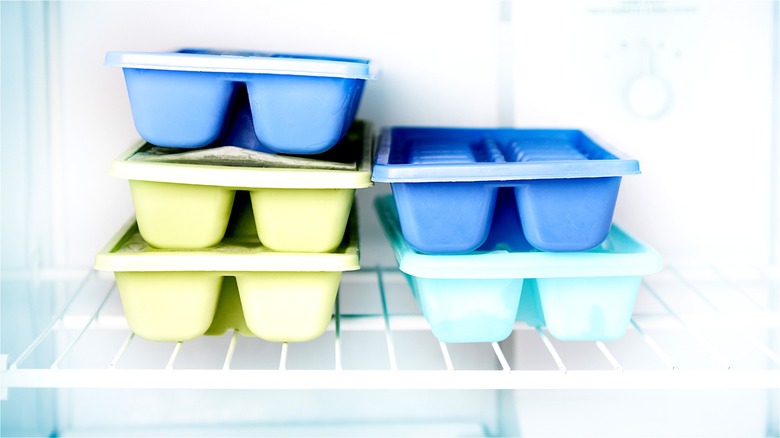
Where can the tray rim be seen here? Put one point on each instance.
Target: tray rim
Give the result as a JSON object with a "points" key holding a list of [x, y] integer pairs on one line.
{"points": [[226, 258], [384, 171], [251, 62], [246, 177]]}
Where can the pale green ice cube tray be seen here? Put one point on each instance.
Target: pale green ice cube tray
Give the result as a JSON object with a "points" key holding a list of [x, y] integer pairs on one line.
{"points": [[177, 295], [299, 204]]}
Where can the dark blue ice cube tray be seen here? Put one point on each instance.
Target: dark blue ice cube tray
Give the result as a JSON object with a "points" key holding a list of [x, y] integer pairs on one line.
{"points": [[445, 182]]}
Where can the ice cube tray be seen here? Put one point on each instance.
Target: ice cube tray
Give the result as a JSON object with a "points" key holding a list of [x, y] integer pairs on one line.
{"points": [[173, 295], [187, 205], [300, 104], [478, 296], [445, 182]]}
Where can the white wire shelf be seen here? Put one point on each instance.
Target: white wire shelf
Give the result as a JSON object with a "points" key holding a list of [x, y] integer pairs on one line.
{"points": [[693, 327]]}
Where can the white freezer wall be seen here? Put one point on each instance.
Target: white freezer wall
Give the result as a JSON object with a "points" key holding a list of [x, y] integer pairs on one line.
{"points": [[687, 87], [709, 183]]}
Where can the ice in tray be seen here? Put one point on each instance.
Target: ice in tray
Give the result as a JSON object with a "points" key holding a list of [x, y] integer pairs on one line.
{"points": [[297, 104], [174, 295], [183, 199], [478, 296], [446, 180]]}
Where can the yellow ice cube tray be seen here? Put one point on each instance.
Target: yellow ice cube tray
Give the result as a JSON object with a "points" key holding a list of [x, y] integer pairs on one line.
{"points": [[177, 295], [299, 204]]}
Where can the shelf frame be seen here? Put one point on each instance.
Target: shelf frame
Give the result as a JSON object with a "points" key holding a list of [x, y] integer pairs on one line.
{"points": [[720, 371]]}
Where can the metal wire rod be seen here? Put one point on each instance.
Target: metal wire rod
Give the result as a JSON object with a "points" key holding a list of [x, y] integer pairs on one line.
{"points": [[55, 319], [83, 330], [174, 354], [231, 350], [654, 346], [337, 340], [501, 357], [122, 349], [703, 342], [610, 357], [283, 357], [445, 352], [735, 287], [388, 333], [737, 326], [551, 349]]}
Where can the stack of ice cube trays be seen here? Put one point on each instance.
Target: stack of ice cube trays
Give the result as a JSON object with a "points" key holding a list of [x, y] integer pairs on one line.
{"points": [[492, 226], [243, 190]]}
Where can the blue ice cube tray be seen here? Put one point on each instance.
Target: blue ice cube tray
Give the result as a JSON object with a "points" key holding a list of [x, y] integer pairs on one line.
{"points": [[478, 296], [296, 104], [446, 181]]}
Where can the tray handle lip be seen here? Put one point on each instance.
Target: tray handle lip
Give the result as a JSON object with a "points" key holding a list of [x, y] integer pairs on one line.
{"points": [[251, 62]]}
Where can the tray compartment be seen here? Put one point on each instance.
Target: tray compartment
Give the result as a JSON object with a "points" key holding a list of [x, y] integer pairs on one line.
{"points": [[445, 217], [181, 216], [567, 214], [285, 307], [169, 306], [302, 114], [590, 308], [303, 220], [173, 109], [468, 310]]}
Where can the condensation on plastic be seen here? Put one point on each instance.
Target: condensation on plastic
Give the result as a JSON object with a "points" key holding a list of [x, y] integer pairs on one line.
{"points": [[446, 182], [284, 103], [478, 296], [170, 295], [187, 206]]}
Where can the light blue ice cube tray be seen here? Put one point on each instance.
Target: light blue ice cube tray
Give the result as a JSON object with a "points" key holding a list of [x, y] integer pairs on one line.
{"points": [[295, 104], [478, 296], [446, 181]]}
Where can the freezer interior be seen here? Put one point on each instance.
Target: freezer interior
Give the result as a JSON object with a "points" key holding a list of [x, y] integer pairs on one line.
{"points": [[690, 89]]}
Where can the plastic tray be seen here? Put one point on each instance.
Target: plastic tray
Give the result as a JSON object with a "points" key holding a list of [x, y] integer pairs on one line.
{"points": [[477, 297], [187, 206], [170, 295], [300, 104], [446, 180]]}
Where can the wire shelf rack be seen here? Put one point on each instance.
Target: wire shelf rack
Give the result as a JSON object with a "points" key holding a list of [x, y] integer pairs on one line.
{"points": [[694, 326]]}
